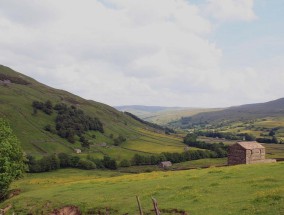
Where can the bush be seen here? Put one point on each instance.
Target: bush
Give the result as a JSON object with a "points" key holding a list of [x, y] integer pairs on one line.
{"points": [[11, 158], [86, 164], [109, 163], [124, 163], [119, 140]]}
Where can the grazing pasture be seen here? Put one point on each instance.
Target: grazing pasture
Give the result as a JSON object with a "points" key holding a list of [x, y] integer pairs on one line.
{"points": [[244, 189]]}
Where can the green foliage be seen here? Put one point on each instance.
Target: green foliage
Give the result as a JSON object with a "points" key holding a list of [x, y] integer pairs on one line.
{"points": [[267, 140], [86, 164], [124, 163], [45, 164], [11, 158], [84, 142], [226, 135], [175, 157], [70, 121], [190, 138], [109, 163], [45, 107], [119, 140], [220, 149], [63, 160]]}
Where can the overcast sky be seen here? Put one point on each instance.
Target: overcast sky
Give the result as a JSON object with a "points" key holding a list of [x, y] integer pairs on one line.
{"points": [[195, 53]]}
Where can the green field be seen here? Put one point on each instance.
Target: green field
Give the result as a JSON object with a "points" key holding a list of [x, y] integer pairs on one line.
{"points": [[257, 127], [244, 189], [194, 164], [167, 116]]}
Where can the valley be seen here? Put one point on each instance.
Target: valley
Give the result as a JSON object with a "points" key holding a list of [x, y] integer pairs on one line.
{"points": [[122, 153]]}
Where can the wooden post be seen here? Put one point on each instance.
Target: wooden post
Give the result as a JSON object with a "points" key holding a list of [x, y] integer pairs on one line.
{"points": [[107, 211], [139, 205], [155, 203]]}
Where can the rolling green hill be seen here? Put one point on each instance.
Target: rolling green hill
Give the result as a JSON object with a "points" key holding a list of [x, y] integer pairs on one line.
{"points": [[16, 100], [163, 115], [272, 109]]}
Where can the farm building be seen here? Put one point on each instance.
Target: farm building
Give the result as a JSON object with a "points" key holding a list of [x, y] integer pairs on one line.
{"points": [[77, 151], [165, 164], [247, 153]]}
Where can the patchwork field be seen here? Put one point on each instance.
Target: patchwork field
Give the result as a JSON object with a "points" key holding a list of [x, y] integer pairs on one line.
{"points": [[245, 189]]}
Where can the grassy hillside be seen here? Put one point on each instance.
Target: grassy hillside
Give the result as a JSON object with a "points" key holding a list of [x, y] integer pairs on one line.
{"points": [[244, 189], [163, 115], [16, 106], [239, 113]]}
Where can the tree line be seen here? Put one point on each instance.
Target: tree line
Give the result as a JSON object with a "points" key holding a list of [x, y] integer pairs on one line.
{"points": [[63, 160], [219, 148], [242, 136], [175, 157], [226, 135]]}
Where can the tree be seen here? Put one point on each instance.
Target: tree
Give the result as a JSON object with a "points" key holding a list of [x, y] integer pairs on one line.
{"points": [[190, 138], [124, 163], [11, 158], [109, 163]]}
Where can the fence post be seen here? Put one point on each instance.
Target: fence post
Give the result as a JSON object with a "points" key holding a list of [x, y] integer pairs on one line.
{"points": [[107, 211], [139, 205], [155, 203]]}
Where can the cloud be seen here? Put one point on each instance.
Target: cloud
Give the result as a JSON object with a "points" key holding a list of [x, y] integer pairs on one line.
{"points": [[231, 10], [28, 12], [123, 51]]}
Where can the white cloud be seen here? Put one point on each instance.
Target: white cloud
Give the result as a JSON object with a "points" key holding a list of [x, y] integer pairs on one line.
{"points": [[122, 51], [231, 10]]}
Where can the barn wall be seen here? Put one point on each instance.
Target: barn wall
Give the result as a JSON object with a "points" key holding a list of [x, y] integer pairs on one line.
{"points": [[236, 155], [255, 155]]}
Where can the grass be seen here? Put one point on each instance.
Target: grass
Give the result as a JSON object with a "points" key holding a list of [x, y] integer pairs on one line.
{"points": [[195, 164], [258, 127], [16, 108], [167, 116], [274, 150], [245, 189]]}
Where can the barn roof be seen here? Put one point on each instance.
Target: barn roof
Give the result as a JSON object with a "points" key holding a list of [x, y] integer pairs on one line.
{"points": [[250, 145]]}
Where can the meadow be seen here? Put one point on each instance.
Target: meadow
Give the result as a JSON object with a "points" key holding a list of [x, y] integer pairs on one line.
{"points": [[244, 189]]}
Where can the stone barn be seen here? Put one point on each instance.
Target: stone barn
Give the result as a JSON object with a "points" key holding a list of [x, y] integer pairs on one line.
{"points": [[77, 151], [165, 164], [247, 153]]}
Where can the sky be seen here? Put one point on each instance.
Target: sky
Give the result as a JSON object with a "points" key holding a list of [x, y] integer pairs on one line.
{"points": [[189, 53]]}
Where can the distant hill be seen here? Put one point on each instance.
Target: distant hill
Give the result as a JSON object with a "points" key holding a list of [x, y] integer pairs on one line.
{"points": [[162, 115], [238, 113], [147, 108], [38, 131]]}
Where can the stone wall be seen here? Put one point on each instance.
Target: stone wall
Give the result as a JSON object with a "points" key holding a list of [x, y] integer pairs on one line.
{"points": [[255, 155], [236, 155]]}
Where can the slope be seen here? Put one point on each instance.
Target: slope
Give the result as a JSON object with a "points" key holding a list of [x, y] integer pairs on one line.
{"points": [[163, 115], [238, 113], [16, 100]]}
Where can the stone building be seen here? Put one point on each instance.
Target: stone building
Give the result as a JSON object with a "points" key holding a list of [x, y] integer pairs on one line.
{"points": [[247, 153], [77, 151], [165, 164]]}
